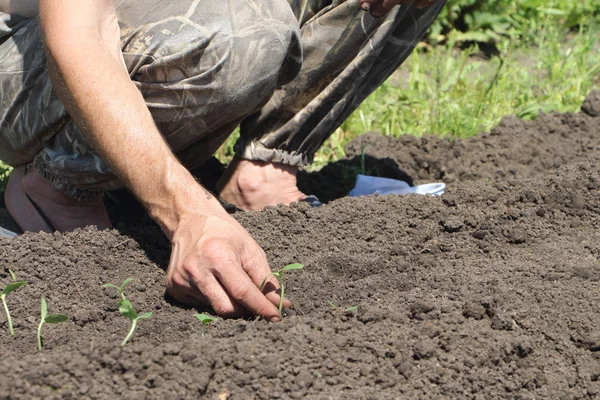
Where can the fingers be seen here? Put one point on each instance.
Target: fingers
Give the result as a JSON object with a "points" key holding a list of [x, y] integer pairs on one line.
{"points": [[425, 3], [245, 292], [365, 5], [219, 298], [382, 7], [257, 268], [272, 292], [379, 8]]}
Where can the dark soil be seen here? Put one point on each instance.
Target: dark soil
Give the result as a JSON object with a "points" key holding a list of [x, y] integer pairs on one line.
{"points": [[491, 291]]}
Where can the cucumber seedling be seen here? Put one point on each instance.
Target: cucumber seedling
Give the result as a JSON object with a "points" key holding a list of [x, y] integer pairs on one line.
{"points": [[11, 287], [48, 319], [206, 320], [279, 276], [127, 310]]}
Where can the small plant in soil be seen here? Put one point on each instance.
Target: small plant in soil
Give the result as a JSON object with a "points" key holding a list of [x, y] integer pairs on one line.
{"points": [[48, 319], [126, 309], [279, 275], [347, 310], [11, 287], [206, 320]]}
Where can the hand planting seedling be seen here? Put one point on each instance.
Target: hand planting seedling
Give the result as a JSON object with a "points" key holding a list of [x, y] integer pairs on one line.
{"points": [[48, 319], [206, 320], [11, 287], [127, 310], [279, 276]]}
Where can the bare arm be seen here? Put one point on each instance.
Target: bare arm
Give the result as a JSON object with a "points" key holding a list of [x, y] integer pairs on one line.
{"points": [[99, 95], [214, 259]]}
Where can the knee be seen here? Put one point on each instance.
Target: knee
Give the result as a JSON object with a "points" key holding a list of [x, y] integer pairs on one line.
{"points": [[260, 40], [228, 62], [267, 42]]}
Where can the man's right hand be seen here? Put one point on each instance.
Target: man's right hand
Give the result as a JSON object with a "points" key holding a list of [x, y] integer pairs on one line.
{"points": [[215, 262]]}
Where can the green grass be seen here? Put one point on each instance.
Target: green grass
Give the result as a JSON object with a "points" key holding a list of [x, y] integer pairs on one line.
{"points": [[449, 92], [4, 172]]}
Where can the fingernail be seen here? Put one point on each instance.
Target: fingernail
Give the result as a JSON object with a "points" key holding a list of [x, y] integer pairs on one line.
{"points": [[274, 319], [365, 6]]}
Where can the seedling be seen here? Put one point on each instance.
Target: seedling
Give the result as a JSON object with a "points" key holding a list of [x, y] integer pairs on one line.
{"points": [[206, 320], [48, 319], [279, 276], [349, 309], [127, 310], [11, 287]]}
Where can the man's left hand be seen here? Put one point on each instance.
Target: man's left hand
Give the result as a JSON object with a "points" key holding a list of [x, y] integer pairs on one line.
{"points": [[378, 8]]}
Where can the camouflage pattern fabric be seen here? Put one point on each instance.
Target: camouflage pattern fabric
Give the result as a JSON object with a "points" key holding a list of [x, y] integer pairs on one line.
{"points": [[289, 72]]}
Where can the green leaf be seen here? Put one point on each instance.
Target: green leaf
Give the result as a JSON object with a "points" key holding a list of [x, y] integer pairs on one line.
{"points": [[350, 309], [331, 304], [126, 310], [110, 285], [44, 309], [292, 266], [126, 282], [262, 285], [56, 318], [12, 275], [206, 319], [145, 315], [11, 287]]}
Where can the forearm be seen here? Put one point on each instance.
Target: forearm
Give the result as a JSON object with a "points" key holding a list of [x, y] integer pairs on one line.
{"points": [[112, 114]]}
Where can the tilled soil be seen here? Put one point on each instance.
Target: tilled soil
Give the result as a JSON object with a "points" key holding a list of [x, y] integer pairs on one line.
{"points": [[490, 291]]}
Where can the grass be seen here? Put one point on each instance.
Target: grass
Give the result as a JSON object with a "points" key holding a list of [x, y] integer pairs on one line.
{"points": [[4, 172], [449, 92]]}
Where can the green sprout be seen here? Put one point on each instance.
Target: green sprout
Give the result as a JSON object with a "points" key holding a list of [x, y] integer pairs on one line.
{"points": [[279, 276], [48, 319], [127, 310], [206, 320], [334, 307], [11, 287]]}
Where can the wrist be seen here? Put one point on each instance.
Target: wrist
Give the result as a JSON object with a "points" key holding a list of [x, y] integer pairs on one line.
{"points": [[178, 197]]}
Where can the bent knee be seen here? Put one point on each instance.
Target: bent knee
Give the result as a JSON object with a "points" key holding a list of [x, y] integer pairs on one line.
{"points": [[234, 38]]}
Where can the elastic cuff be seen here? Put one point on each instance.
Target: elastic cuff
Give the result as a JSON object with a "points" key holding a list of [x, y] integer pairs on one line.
{"points": [[61, 184], [255, 151]]}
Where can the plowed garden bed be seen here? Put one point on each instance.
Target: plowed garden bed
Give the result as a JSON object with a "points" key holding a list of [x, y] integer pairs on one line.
{"points": [[490, 291]]}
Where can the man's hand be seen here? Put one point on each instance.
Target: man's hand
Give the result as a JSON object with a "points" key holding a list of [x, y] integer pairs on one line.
{"points": [[215, 262], [378, 8]]}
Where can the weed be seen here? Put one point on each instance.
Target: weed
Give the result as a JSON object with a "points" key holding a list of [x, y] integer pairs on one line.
{"points": [[48, 319], [351, 309], [11, 287], [127, 310], [206, 320], [279, 276]]}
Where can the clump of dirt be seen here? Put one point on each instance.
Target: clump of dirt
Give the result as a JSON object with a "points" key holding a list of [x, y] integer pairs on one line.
{"points": [[490, 291]]}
